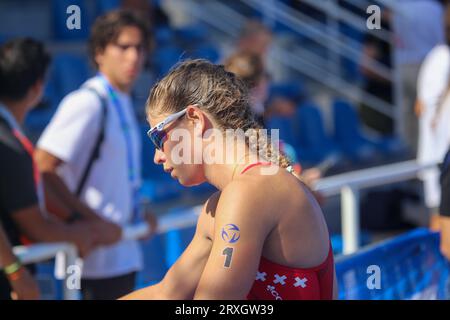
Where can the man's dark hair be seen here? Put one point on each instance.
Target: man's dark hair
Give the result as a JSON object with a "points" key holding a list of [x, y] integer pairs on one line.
{"points": [[23, 62], [108, 27]]}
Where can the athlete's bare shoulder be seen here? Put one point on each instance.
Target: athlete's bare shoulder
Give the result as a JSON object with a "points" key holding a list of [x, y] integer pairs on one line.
{"points": [[205, 223]]}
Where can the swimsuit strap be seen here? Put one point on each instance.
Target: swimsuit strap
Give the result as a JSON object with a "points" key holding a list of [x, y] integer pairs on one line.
{"points": [[254, 165]]}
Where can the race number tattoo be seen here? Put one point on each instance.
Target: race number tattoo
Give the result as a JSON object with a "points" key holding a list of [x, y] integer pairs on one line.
{"points": [[228, 252]]}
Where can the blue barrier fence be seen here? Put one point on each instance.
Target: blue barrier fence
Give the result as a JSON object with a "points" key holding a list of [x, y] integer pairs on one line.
{"points": [[410, 267]]}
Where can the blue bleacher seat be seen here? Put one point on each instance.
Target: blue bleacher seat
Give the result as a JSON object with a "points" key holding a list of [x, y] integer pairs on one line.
{"points": [[286, 131], [348, 128], [284, 125], [206, 51], [294, 91], [70, 71], [347, 132], [192, 34], [104, 6], [164, 36], [313, 142], [60, 16], [165, 57]]}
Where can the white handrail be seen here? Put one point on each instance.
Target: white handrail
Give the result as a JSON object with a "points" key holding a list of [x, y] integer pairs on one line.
{"points": [[372, 177], [349, 185]]}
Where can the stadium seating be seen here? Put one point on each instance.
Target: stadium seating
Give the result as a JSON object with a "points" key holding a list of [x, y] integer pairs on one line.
{"points": [[355, 143], [69, 72], [348, 134], [104, 6], [292, 90], [163, 58], [312, 136], [60, 15]]}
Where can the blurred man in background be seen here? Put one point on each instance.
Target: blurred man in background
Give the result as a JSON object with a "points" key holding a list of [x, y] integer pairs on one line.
{"points": [[23, 64], [444, 209], [90, 152], [434, 133], [417, 25]]}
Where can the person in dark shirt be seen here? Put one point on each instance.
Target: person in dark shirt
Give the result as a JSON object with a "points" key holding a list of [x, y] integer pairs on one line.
{"points": [[23, 64], [444, 209]]}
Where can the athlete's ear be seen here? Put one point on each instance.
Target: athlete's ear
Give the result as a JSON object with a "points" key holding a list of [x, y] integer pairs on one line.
{"points": [[198, 119], [35, 93]]}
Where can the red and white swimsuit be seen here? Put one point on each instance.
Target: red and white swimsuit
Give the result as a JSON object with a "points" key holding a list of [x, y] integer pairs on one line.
{"points": [[277, 282]]}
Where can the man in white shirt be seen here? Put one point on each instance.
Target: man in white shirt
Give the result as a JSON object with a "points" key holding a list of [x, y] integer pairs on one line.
{"points": [[434, 136], [102, 107], [417, 25]]}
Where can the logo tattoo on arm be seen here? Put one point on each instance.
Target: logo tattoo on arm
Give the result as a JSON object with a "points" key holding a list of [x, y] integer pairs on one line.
{"points": [[230, 234]]}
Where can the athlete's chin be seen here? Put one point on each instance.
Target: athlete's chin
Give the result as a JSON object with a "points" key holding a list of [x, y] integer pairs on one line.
{"points": [[189, 182]]}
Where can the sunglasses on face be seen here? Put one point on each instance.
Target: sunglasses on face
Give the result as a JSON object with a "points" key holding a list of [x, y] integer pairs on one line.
{"points": [[157, 134]]}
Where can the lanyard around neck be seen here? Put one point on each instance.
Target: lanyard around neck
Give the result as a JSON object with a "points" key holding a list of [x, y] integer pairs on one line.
{"points": [[112, 93], [9, 118]]}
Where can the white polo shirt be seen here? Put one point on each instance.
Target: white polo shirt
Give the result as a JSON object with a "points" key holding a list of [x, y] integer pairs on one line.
{"points": [[432, 84], [70, 136]]}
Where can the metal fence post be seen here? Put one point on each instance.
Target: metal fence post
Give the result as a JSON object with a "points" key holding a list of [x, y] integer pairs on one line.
{"points": [[71, 260], [350, 219]]}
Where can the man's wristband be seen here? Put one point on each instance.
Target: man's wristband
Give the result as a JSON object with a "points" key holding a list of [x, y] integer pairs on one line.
{"points": [[12, 268]]}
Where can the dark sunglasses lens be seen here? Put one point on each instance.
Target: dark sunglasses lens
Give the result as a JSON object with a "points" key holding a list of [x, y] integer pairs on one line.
{"points": [[157, 138]]}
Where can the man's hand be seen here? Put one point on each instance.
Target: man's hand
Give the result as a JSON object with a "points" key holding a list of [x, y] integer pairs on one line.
{"points": [[25, 287], [107, 233], [84, 236], [418, 108], [445, 236], [152, 221]]}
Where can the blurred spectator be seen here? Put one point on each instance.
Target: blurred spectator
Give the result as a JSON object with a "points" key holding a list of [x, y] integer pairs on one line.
{"points": [[23, 64], [22, 284], [89, 154], [417, 25], [280, 106], [434, 136], [255, 38], [250, 68], [444, 209]]}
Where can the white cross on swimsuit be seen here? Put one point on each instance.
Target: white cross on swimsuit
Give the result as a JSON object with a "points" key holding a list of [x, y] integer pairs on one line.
{"points": [[261, 276], [300, 282], [279, 279]]}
